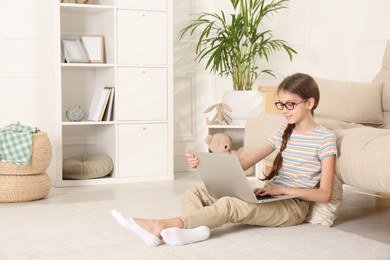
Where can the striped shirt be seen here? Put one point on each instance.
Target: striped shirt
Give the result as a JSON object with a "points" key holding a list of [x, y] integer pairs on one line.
{"points": [[301, 167]]}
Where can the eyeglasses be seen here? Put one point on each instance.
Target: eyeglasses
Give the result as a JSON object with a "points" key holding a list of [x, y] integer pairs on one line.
{"points": [[289, 105]]}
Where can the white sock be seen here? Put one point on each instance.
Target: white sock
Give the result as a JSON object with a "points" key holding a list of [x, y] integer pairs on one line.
{"points": [[129, 223], [179, 236]]}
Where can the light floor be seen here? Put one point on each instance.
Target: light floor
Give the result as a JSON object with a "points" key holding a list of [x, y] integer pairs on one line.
{"points": [[361, 214]]}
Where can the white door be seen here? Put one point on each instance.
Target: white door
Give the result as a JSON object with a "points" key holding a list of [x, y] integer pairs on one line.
{"points": [[143, 150], [142, 94], [142, 37]]}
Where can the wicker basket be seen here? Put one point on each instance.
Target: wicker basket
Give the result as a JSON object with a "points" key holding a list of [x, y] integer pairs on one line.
{"points": [[14, 188], [39, 161]]}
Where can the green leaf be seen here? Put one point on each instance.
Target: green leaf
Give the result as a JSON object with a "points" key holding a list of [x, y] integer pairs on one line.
{"points": [[236, 46]]}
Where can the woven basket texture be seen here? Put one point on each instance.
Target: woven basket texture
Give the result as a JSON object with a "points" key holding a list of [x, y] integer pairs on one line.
{"points": [[40, 158], [16, 188]]}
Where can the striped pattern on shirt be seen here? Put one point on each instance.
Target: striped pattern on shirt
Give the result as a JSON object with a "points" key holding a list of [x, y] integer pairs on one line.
{"points": [[301, 167]]}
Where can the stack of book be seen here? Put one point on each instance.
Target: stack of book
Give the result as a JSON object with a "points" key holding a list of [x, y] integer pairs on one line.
{"points": [[101, 108]]}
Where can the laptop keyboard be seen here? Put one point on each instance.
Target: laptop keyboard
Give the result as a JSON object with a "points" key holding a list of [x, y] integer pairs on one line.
{"points": [[258, 197]]}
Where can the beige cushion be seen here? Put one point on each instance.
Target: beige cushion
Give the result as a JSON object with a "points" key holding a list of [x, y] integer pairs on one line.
{"points": [[384, 77], [363, 159], [350, 101], [386, 124], [87, 166], [322, 213], [333, 124]]}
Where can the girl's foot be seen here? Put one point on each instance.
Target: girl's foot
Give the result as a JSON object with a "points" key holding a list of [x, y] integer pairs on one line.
{"points": [[129, 223], [178, 236]]}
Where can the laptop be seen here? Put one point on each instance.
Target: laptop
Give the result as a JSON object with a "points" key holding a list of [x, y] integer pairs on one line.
{"points": [[223, 176]]}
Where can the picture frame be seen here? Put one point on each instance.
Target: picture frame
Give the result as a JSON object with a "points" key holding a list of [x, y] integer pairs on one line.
{"points": [[74, 51], [94, 46]]}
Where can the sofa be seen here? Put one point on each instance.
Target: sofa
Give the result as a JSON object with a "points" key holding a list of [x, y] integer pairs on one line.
{"points": [[359, 115]]}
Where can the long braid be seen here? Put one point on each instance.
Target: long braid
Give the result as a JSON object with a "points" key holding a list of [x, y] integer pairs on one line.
{"points": [[279, 159]]}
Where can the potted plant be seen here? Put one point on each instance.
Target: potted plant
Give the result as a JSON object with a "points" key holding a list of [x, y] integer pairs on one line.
{"points": [[234, 44]]}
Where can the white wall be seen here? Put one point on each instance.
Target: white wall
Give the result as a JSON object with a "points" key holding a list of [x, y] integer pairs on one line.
{"points": [[25, 95], [338, 39], [26, 79], [19, 39]]}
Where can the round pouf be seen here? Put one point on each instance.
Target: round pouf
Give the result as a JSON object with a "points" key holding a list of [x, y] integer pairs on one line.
{"points": [[39, 161], [87, 167], [16, 188]]}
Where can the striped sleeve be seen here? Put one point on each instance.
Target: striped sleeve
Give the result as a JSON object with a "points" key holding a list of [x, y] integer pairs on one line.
{"points": [[275, 140], [328, 146]]}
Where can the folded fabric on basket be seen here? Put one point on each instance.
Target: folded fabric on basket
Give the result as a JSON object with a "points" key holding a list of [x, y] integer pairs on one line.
{"points": [[16, 143]]}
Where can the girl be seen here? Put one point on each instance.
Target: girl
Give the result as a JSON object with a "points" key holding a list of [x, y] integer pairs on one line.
{"points": [[306, 154]]}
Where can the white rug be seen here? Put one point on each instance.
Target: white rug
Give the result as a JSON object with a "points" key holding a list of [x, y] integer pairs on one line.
{"points": [[86, 230]]}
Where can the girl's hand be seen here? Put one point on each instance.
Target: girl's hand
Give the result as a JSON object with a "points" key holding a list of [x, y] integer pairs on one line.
{"points": [[241, 153], [272, 190], [193, 161]]}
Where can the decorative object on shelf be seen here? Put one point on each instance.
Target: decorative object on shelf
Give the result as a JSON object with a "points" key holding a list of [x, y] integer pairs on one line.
{"points": [[222, 143], [87, 166], [75, 113], [74, 51], [220, 118], [219, 143], [234, 47], [94, 46]]}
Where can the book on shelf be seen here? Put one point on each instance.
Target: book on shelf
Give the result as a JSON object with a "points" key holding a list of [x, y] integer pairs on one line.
{"points": [[109, 112], [99, 103]]}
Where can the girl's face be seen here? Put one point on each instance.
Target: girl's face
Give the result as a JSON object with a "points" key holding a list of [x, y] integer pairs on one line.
{"points": [[301, 107]]}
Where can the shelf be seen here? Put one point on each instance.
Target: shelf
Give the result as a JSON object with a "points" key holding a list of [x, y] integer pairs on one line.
{"points": [[237, 125], [84, 123], [86, 9], [88, 65]]}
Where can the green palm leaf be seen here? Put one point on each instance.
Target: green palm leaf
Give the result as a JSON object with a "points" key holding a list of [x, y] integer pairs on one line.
{"points": [[235, 46]]}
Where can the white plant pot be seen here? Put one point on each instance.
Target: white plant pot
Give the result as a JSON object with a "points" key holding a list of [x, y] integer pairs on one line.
{"points": [[244, 104]]}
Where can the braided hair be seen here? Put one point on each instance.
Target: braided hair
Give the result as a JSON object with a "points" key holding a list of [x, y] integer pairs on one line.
{"points": [[306, 87]]}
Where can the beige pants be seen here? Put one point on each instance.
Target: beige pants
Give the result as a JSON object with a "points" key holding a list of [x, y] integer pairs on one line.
{"points": [[199, 208]]}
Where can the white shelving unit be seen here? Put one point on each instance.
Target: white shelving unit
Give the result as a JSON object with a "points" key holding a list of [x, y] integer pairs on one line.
{"points": [[138, 63]]}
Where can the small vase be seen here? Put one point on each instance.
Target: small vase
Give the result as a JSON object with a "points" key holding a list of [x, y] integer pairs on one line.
{"points": [[75, 113], [244, 104]]}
